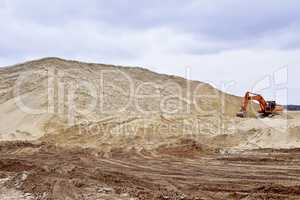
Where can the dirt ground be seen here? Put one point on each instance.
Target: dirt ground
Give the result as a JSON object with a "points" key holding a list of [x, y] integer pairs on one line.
{"points": [[42, 171]]}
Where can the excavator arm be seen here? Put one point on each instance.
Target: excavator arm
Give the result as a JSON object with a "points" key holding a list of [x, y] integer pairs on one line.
{"points": [[254, 97]]}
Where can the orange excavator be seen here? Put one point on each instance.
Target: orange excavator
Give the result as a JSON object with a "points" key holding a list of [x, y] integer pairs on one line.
{"points": [[267, 108]]}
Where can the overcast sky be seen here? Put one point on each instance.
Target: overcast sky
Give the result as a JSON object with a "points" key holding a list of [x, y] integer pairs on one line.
{"points": [[225, 41]]}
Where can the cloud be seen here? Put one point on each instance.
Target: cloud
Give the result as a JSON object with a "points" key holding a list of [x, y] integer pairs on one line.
{"points": [[206, 35], [105, 27]]}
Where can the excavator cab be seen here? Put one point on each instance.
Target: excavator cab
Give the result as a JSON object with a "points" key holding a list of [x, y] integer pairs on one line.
{"points": [[271, 105]]}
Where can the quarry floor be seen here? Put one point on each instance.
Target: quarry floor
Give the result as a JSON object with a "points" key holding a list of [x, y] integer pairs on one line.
{"points": [[41, 171]]}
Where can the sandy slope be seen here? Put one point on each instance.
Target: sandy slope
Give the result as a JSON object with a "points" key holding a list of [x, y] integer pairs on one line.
{"points": [[131, 108], [117, 91]]}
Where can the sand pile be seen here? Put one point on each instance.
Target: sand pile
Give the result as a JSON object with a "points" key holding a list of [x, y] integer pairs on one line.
{"points": [[90, 105], [45, 95], [276, 133]]}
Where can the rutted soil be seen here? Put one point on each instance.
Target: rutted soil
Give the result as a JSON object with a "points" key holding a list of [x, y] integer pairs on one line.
{"points": [[43, 171]]}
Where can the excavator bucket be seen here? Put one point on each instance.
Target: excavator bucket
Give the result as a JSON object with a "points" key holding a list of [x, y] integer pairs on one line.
{"points": [[241, 114]]}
